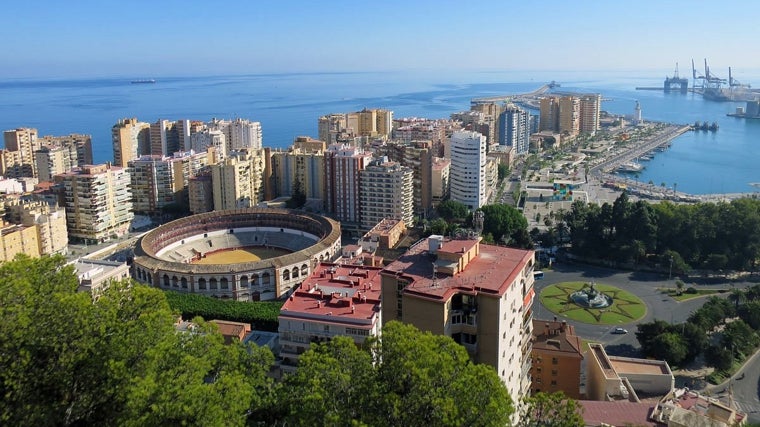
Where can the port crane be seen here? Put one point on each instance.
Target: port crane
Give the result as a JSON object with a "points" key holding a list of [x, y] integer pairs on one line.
{"points": [[697, 77]]}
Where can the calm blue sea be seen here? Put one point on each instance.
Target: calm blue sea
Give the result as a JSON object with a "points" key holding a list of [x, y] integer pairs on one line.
{"points": [[288, 105]]}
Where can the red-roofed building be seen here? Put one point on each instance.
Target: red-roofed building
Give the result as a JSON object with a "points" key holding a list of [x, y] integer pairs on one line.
{"points": [[557, 358], [479, 295], [618, 413], [336, 299]]}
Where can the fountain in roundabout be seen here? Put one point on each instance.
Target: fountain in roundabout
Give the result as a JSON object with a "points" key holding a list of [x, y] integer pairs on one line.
{"points": [[591, 298]]}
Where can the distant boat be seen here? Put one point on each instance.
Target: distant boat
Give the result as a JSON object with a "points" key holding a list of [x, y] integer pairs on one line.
{"points": [[630, 167], [134, 82]]}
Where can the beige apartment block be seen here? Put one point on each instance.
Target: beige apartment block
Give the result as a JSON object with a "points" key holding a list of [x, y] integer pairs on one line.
{"points": [[18, 239], [48, 220], [238, 180], [98, 202], [130, 139], [386, 192], [479, 295], [17, 158]]}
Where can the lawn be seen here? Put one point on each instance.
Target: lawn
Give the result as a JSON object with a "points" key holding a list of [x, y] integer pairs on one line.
{"points": [[625, 307], [673, 293]]}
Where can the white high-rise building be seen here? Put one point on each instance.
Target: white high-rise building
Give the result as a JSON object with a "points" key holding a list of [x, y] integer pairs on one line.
{"points": [[514, 128], [467, 175], [239, 133], [201, 141]]}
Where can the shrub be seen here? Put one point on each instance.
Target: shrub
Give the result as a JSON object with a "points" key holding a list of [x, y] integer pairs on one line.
{"points": [[261, 314], [691, 290]]}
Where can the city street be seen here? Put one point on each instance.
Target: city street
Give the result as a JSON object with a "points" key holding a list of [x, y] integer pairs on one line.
{"points": [[659, 306]]}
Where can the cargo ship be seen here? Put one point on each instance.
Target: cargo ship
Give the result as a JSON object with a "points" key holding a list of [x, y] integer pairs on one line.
{"points": [[143, 81]]}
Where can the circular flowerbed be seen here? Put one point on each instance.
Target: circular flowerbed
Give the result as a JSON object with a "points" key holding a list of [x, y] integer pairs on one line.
{"points": [[625, 307]]}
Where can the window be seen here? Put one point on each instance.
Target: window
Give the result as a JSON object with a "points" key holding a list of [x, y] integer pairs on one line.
{"points": [[554, 382], [554, 372], [554, 361]]}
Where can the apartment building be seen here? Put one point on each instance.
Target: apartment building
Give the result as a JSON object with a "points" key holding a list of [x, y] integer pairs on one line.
{"points": [[95, 275], [418, 156], [167, 137], [160, 181], [590, 110], [98, 202], [386, 191], [569, 115], [479, 295], [200, 189], [48, 220], [343, 128], [238, 181], [18, 239], [514, 129], [239, 133], [343, 165], [336, 299], [440, 180], [210, 140], [17, 158], [130, 139], [304, 163], [557, 358], [467, 174]]}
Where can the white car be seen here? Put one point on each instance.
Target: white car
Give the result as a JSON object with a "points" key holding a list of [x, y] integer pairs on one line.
{"points": [[619, 331]]}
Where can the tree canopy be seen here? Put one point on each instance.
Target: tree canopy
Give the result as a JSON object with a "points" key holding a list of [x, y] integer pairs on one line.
{"points": [[406, 377], [506, 224], [712, 236], [118, 360]]}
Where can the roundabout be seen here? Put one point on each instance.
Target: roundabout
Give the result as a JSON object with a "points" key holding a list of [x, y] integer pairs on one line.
{"points": [[593, 303]]}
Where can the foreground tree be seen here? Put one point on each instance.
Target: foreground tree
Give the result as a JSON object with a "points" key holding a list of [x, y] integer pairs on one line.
{"points": [[550, 410], [117, 360], [412, 378]]}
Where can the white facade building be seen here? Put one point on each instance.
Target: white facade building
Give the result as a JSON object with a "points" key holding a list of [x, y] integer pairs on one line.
{"points": [[467, 175]]}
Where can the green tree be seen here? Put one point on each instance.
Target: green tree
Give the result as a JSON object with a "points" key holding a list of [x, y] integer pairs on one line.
{"points": [[679, 286], [506, 221], [670, 347], [334, 384], [719, 357], [750, 314], [117, 360], [298, 196], [428, 379], [550, 410], [647, 332], [502, 171], [739, 336], [195, 379], [438, 226], [451, 210], [737, 296]]}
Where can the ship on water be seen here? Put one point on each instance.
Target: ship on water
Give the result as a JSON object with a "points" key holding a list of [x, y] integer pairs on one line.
{"points": [[714, 88], [143, 81]]}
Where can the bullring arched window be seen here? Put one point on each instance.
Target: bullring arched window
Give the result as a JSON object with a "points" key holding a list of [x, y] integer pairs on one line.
{"points": [[244, 282], [294, 274], [166, 280], [304, 270], [212, 284], [183, 283], [286, 275], [202, 283], [224, 283]]}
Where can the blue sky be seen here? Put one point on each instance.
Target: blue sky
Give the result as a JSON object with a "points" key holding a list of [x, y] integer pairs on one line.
{"points": [[169, 37]]}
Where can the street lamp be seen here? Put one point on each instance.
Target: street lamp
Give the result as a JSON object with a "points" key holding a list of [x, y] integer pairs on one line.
{"points": [[670, 272]]}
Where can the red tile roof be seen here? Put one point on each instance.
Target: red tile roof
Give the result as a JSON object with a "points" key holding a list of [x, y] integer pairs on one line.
{"points": [[618, 413], [490, 272], [348, 294]]}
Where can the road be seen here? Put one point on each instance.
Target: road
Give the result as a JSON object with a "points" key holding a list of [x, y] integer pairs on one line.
{"points": [[659, 306]]}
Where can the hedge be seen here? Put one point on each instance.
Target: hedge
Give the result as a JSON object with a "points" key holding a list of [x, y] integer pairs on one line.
{"points": [[262, 315]]}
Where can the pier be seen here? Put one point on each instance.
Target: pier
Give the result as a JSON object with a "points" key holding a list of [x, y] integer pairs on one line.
{"points": [[521, 98]]}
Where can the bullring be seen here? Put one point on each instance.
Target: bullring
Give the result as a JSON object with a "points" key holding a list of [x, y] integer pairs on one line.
{"points": [[165, 256]]}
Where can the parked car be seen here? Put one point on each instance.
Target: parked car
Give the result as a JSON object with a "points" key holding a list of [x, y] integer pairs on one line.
{"points": [[619, 331]]}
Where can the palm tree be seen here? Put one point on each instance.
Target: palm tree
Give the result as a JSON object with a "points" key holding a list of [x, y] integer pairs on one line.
{"points": [[738, 296], [679, 286]]}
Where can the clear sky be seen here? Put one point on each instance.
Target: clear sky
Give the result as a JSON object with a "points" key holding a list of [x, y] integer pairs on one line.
{"points": [[53, 38]]}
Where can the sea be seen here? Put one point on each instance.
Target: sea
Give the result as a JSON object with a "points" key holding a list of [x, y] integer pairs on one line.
{"points": [[289, 104]]}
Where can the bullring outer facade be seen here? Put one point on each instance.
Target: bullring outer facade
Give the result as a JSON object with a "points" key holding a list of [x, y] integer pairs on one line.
{"points": [[164, 256]]}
